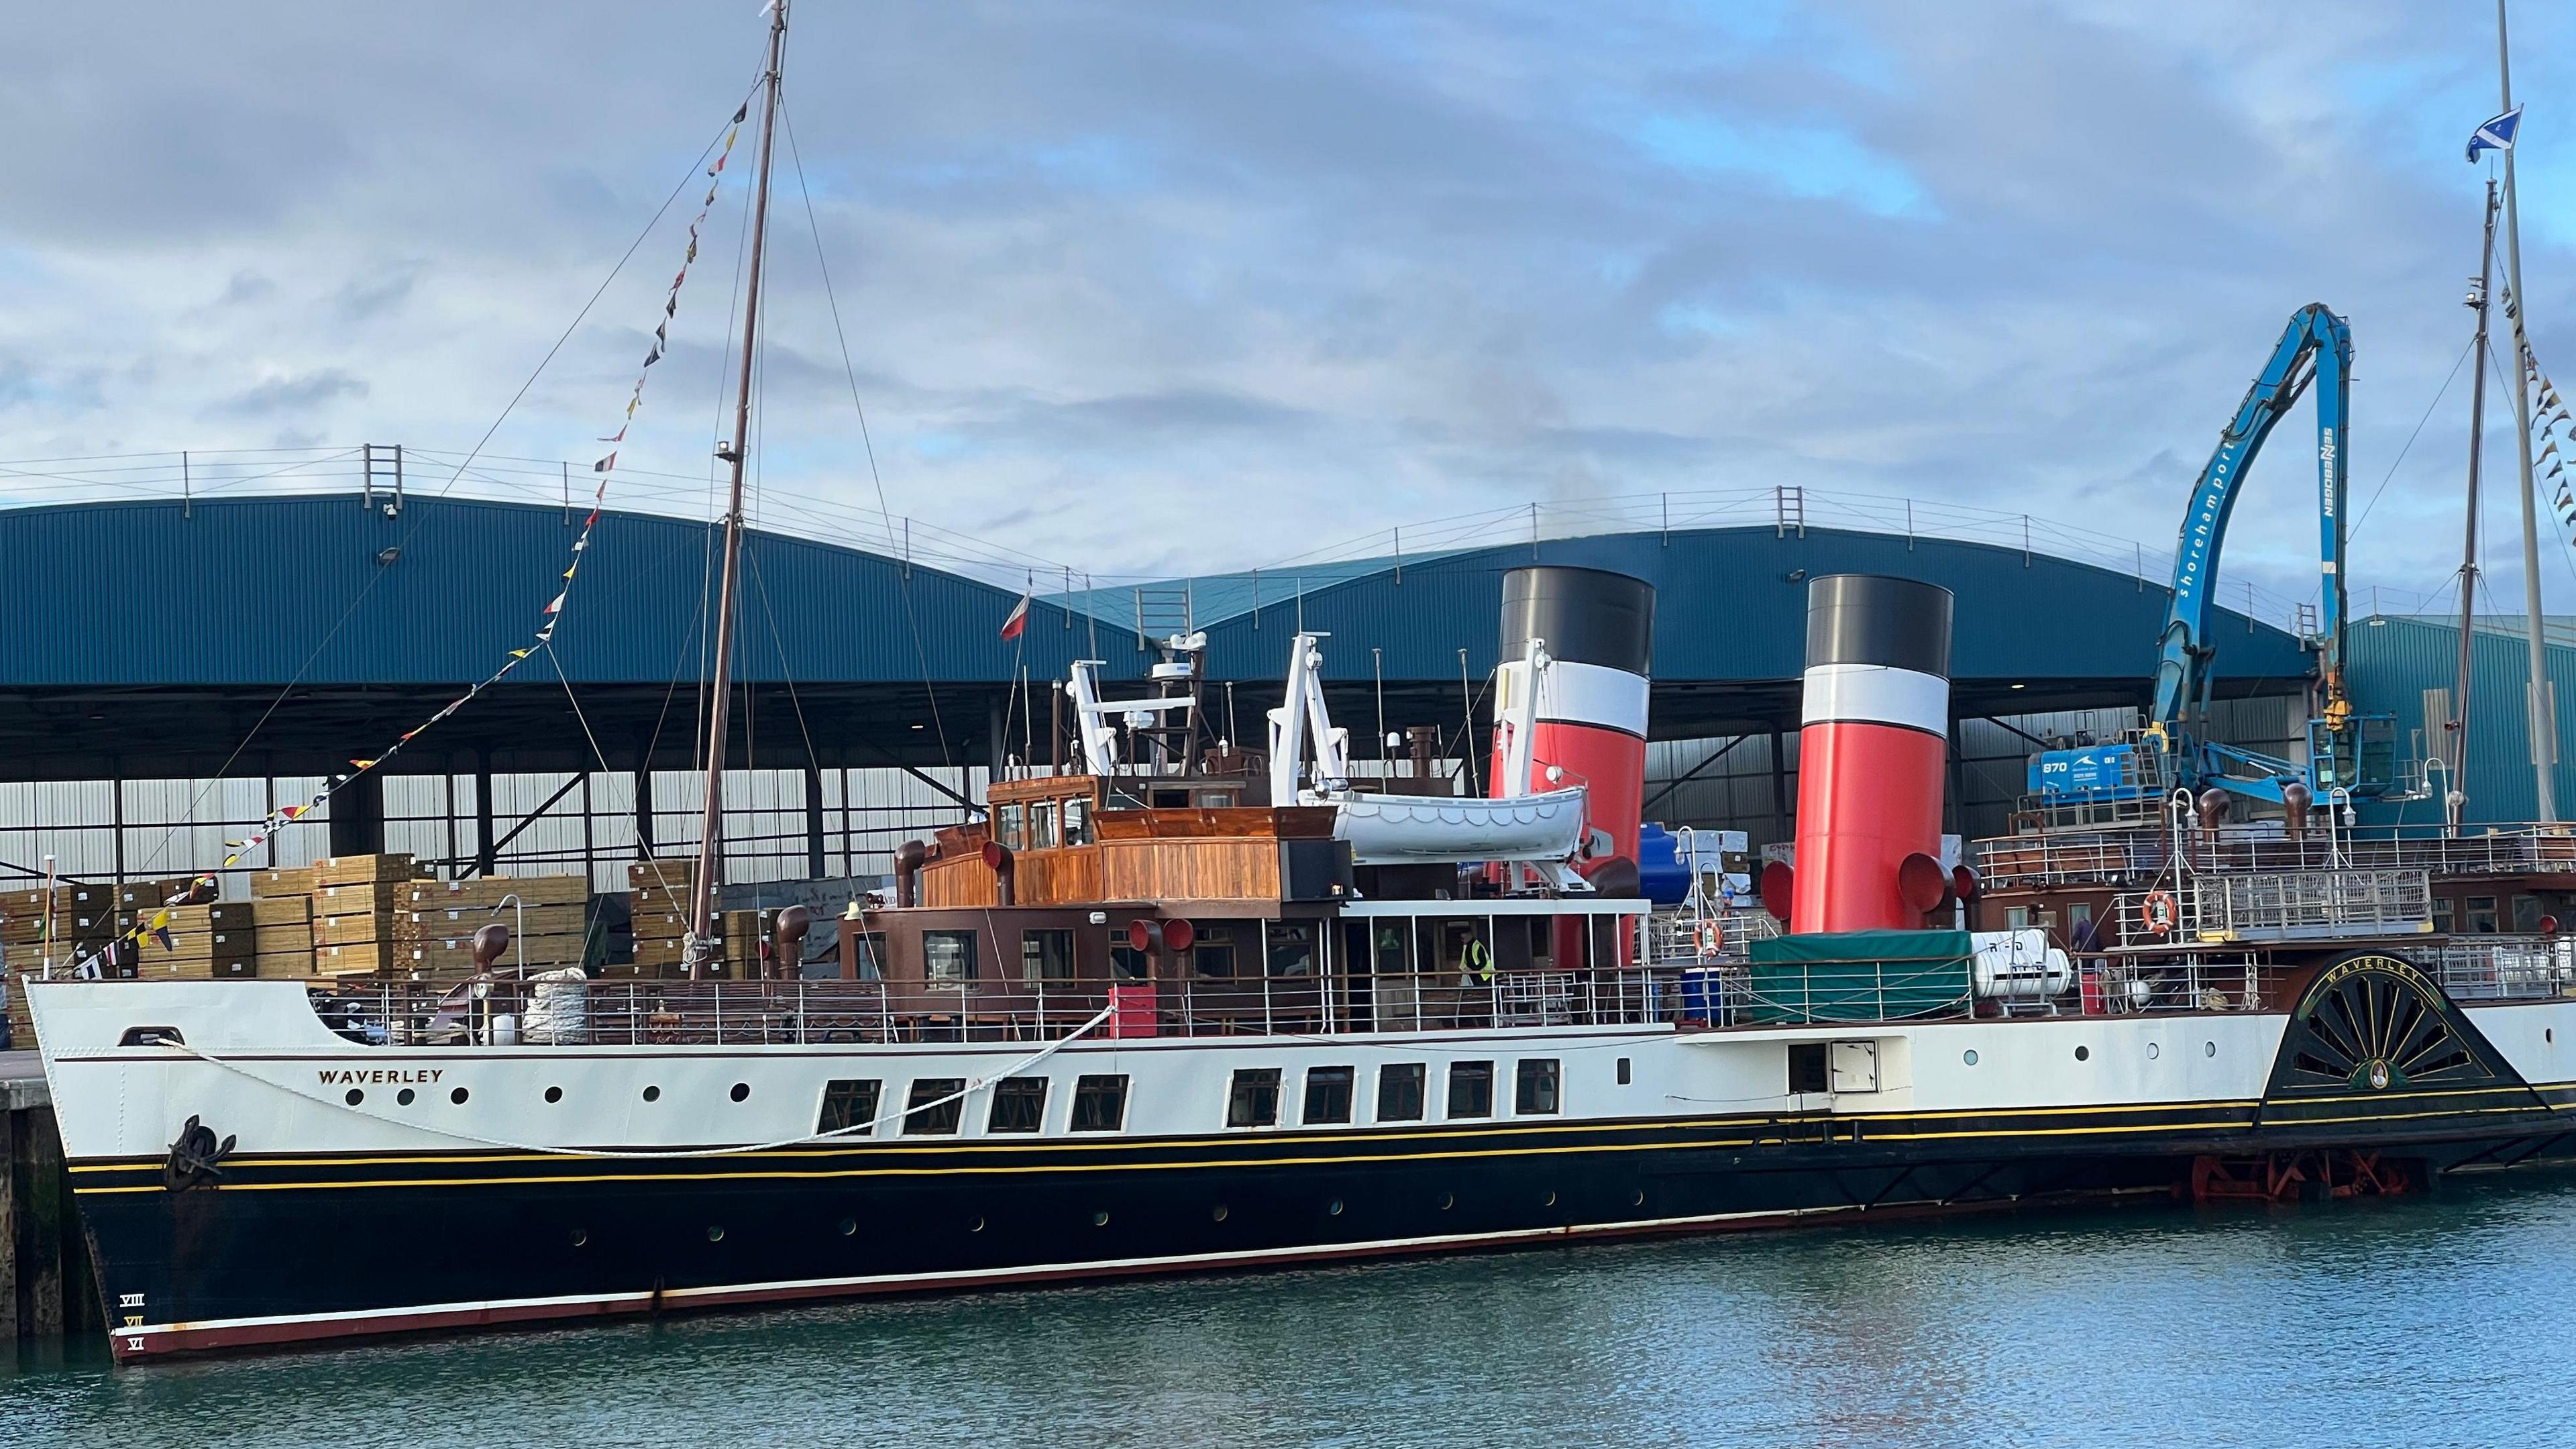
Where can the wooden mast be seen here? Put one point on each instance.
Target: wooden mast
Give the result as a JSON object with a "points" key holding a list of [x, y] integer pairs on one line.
{"points": [[702, 888]]}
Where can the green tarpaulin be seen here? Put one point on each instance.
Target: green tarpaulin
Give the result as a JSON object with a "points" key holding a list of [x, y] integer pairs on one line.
{"points": [[1857, 976]]}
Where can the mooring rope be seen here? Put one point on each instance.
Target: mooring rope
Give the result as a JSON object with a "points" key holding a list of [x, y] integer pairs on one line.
{"points": [[973, 1085]]}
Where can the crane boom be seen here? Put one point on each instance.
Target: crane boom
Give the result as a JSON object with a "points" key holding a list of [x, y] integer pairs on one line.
{"points": [[2182, 668]]}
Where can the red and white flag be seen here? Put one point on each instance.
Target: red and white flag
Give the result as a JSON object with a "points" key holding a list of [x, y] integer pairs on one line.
{"points": [[1019, 620]]}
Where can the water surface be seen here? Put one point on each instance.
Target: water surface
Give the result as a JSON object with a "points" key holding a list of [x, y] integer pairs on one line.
{"points": [[2435, 1320]]}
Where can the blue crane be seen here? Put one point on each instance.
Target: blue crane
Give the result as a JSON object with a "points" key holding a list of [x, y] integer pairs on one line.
{"points": [[2351, 753]]}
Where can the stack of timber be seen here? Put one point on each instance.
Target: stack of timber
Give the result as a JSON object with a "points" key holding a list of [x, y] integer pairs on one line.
{"points": [[75, 919], [661, 910], [547, 915], [355, 899], [199, 943]]}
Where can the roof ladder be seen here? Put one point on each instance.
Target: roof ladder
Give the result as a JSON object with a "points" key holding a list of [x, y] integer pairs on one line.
{"points": [[1789, 509], [1162, 611], [384, 470]]}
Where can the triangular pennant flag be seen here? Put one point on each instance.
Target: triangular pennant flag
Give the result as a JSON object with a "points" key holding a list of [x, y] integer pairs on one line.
{"points": [[741, 111], [604, 464], [617, 437], [557, 606], [521, 653]]}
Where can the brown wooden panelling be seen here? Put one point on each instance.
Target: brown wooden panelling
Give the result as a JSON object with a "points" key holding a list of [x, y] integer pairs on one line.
{"points": [[1190, 870], [1294, 822], [1064, 876], [960, 880]]}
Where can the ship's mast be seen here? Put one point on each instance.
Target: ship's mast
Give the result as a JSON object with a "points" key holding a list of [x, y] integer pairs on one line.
{"points": [[702, 886], [2541, 713], [2455, 803]]}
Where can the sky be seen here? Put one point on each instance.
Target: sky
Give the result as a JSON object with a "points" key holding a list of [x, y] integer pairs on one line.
{"points": [[1146, 288]]}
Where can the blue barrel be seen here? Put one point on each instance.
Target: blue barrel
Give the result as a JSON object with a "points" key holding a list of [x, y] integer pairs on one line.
{"points": [[1662, 875], [1703, 995]]}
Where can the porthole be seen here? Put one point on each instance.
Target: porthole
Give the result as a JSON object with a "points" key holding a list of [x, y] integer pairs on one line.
{"points": [[580, 1236], [2209, 1048], [715, 1234], [458, 1096], [849, 1227], [1448, 1200], [1218, 1212], [403, 1098], [975, 1225], [652, 1094], [2154, 1051], [1100, 1219], [1335, 1208], [2549, 1034], [742, 1091], [554, 1094], [2084, 1054], [1969, 1056], [1551, 1201], [355, 1097]]}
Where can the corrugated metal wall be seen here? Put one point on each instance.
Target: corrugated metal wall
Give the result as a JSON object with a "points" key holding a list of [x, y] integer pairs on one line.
{"points": [[2395, 659]]}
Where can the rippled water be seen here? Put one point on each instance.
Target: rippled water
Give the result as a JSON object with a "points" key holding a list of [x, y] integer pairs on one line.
{"points": [[2448, 1319]]}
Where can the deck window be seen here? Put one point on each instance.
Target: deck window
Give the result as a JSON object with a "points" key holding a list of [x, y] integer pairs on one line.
{"points": [[868, 948], [848, 1105], [2526, 914], [948, 955], [1809, 1069], [2444, 914], [1126, 963], [922, 1119], [1213, 957], [1046, 955], [1019, 1105], [1253, 1100], [2482, 915], [1399, 1092], [1534, 1088], [1099, 1104], [1471, 1089], [1291, 947], [1328, 1096]]}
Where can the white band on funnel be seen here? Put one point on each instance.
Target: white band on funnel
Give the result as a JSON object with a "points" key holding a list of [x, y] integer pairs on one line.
{"points": [[1584, 694], [1876, 694]]}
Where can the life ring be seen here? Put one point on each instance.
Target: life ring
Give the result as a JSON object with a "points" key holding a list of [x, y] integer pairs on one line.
{"points": [[2157, 910], [1711, 939]]}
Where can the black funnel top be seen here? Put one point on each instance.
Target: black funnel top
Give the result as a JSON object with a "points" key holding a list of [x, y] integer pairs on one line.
{"points": [[1586, 616], [1873, 619]]}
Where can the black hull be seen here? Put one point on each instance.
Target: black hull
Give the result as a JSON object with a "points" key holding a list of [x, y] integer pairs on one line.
{"points": [[295, 1249]]}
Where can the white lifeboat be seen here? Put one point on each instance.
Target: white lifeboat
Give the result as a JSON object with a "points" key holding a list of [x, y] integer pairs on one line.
{"points": [[1431, 829]]}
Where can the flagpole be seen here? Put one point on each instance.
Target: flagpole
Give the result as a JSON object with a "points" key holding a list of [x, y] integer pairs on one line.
{"points": [[2455, 805], [702, 887], [2540, 711]]}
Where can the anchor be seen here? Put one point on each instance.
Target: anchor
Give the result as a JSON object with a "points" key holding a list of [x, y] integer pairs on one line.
{"points": [[195, 1158]]}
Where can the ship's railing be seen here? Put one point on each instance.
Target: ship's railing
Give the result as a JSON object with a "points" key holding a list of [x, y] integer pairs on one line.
{"points": [[507, 1012], [2298, 905], [1680, 938], [2501, 968], [2121, 857], [2186, 981]]}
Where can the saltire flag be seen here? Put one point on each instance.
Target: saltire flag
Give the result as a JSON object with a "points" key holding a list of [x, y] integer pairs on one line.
{"points": [[1018, 622], [2496, 134]]}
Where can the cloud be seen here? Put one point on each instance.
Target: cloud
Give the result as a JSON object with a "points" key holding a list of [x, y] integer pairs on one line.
{"points": [[1267, 277]]}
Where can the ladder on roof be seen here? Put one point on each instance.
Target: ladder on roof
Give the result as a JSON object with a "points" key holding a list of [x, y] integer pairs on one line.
{"points": [[1162, 611], [384, 473], [1789, 509]]}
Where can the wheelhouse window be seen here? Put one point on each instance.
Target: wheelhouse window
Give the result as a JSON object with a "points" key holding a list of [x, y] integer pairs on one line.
{"points": [[1077, 822], [1471, 1089], [848, 1104], [869, 949], [1292, 948], [1534, 1087], [1328, 1096], [948, 955], [1042, 825], [1253, 1100], [1006, 825], [1212, 959], [934, 1108], [1046, 955], [1019, 1105], [1099, 1104], [1399, 1092]]}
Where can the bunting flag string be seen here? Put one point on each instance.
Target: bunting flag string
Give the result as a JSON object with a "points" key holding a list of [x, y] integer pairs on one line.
{"points": [[2546, 420], [157, 924]]}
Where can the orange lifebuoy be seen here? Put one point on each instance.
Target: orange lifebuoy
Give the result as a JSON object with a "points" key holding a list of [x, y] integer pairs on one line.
{"points": [[2158, 912], [1712, 939]]}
